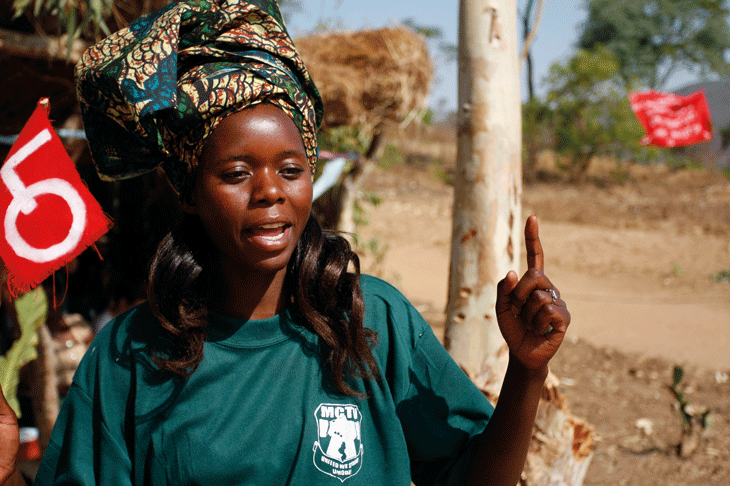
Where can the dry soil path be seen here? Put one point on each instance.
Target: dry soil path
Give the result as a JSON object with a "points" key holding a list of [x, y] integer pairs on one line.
{"points": [[644, 291]]}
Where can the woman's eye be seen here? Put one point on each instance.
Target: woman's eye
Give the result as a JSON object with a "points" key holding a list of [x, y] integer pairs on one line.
{"points": [[292, 171], [234, 175]]}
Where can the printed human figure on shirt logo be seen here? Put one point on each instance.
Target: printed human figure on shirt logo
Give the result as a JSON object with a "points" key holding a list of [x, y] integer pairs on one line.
{"points": [[338, 448]]}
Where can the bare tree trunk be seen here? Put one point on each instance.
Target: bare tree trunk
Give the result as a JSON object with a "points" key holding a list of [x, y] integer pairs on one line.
{"points": [[353, 182], [486, 237]]}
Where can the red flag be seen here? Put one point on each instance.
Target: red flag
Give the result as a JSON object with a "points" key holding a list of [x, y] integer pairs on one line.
{"points": [[672, 120], [48, 215]]}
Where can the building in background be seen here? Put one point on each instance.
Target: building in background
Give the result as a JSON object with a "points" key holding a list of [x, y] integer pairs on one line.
{"points": [[714, 153]]}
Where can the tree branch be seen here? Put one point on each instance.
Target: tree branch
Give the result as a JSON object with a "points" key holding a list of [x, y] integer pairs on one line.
{"points": [[531, 36], [41, 47]]}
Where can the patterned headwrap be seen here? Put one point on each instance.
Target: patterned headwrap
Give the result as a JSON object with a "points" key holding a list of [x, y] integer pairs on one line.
{"points": [[153, 92]]}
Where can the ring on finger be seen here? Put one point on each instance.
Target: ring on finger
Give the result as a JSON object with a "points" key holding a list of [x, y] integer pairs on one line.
{"points": [[553, 294]]}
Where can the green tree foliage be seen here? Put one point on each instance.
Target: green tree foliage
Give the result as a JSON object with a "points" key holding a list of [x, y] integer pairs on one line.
{"points": [[75, 18], [651, 40], [587, 112], [93, 19]]}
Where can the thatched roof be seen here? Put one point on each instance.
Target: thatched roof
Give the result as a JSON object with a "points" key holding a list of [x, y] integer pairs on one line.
{"points": [[370, 77]]}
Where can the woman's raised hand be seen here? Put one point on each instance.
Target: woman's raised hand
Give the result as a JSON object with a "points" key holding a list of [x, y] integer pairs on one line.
{"points": [[531, 316], [9, 441]]}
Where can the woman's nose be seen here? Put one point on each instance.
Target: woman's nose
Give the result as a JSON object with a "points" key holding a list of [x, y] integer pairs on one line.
{"points": [[267, 188]]}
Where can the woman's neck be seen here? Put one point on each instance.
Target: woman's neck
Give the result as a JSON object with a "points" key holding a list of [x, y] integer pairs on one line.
{"points": [[250, 296]]}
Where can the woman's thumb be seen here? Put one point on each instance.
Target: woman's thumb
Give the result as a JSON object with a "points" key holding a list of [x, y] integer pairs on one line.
{"points": [[8, 439], [504, 289]]}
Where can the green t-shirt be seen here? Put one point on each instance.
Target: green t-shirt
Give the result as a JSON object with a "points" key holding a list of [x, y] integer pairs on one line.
{"points": [[259, 410]]}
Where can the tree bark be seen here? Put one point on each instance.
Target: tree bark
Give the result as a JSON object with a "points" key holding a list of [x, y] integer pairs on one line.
{"points": [[486, 234], [562, 444], [485, 239]]}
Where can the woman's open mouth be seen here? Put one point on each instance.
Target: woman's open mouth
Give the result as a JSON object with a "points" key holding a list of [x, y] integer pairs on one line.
{"points": [[269, 234]]}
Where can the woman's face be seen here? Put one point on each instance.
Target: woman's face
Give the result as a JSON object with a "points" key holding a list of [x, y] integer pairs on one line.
{"points": [[253, 189]]}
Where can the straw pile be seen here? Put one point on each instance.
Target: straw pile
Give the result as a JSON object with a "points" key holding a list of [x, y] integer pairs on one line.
{"points": [[369, 78]]}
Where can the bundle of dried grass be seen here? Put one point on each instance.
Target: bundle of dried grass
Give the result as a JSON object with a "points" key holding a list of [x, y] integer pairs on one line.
{"points": [[369, 78]]}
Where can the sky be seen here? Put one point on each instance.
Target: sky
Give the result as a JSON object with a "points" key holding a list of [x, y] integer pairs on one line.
{"points": [[556, 37]]}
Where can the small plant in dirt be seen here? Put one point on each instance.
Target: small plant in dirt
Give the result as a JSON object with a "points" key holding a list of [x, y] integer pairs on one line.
{"points": [[619, 175], [677, 270], [677, 161], [695, 418], [360, 212], [373, 248], [439, 172], [722, 276], [391, 157], [377, 250]]}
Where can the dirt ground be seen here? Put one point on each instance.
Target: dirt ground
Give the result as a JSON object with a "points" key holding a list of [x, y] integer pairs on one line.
{"points": [[633, 252]]}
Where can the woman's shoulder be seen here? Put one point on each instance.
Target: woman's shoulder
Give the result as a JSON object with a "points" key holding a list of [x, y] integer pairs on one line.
{"points": [[374, 287], [131, 326], [116, 349], [388, 310], [379, 293]]}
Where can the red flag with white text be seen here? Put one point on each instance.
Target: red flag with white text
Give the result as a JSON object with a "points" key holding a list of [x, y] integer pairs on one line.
{"points": [[671, 120], [47, 213]]}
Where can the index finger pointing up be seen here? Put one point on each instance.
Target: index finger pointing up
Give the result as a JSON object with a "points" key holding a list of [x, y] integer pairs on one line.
{"points": [[535, 257]]}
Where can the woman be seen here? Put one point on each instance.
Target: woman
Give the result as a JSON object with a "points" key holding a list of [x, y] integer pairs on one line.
{"points": [[263, 357]]}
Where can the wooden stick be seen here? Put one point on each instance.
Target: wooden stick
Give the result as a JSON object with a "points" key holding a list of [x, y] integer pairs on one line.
{"points": [[41, 47]]}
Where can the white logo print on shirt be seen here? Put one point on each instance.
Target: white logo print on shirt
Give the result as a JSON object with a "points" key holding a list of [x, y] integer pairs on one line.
{"points": [[338, 448]]}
